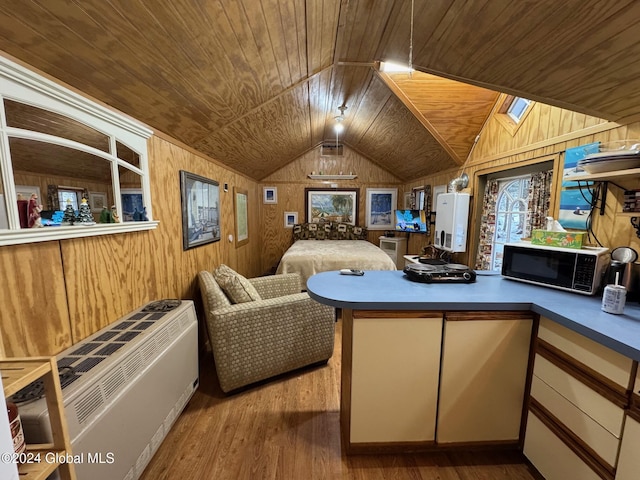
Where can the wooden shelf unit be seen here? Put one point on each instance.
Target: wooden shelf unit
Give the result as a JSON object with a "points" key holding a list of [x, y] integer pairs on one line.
{"points": [[17, 373]]}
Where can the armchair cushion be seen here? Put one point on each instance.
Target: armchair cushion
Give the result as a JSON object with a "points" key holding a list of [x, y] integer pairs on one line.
{"points": [[237, 287]]}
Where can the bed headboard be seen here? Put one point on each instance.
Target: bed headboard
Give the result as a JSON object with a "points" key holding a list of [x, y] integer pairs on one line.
{"points": [[328, 231]]}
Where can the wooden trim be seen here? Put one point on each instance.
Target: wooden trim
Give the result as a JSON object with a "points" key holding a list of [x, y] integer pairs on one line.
{"points": [[396, 314], [527, 386], [464, 316], [594, 380], [345, 381], [634, 412], [571, 440], [429, 446]]}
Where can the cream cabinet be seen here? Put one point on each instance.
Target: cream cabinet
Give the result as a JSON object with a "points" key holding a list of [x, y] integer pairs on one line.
{"points": [[578, 401], [629, 460], [394, 376], [484, 371], [396, 248]]}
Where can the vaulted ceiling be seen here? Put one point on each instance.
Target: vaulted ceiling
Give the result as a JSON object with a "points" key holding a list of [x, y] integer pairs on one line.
{"points": [[255, 84]]}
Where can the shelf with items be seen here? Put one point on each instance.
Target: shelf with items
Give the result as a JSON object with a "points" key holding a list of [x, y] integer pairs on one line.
{"points": [[331, 177], [17, 373], [602, 176]]}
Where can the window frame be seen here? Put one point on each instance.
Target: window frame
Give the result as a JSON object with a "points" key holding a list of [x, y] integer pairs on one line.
{"points": [[22, 85]]}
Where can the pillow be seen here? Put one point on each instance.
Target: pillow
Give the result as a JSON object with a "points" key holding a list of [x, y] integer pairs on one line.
{"points": [[312, 231], [237, 287], [345, 231]]}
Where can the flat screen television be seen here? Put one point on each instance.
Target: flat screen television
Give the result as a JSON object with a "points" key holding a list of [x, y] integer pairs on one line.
{"points": [[411, 221]]}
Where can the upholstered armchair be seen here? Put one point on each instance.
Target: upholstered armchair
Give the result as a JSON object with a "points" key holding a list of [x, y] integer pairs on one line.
{"points": [[272, 328]]}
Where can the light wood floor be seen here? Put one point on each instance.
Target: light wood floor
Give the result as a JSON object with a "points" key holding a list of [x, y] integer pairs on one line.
{"points": [[289, 428]]}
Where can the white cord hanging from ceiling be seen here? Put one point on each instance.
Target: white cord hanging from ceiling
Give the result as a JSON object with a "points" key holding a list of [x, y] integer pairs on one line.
{"points": [[411, 41]]}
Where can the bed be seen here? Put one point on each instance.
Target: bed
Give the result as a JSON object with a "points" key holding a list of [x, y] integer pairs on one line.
{"points": [[308, 257]]}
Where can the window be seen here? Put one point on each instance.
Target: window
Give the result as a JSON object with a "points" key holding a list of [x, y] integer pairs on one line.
{"points": [[59, 142], [517, 108], [513, 112], [511, 215]]}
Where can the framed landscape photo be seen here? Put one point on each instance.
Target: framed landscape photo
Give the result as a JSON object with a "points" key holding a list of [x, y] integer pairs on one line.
{"points": [[270, 195], [241, 214], [331, 205], [200, 199], [290, 219], [381, 203]]}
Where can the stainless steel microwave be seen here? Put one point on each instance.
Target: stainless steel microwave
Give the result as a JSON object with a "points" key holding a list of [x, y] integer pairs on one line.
{"points": [[571, 269]]}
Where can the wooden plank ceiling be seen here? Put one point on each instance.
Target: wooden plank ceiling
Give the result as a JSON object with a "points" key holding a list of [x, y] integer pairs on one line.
{"points": [[255, 84]]}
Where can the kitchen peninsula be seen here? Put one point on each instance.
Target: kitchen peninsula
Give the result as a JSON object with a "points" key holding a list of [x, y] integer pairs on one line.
{"points": [[431, 366]]}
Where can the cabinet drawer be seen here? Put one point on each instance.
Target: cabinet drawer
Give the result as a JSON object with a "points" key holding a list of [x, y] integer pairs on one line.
{"points": [[603, 411], [603, 442], [551, 457], [629, 462], [610, 364]]}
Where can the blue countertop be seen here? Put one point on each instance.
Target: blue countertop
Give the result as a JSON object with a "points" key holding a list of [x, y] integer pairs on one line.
{"points": [[391, 290]]}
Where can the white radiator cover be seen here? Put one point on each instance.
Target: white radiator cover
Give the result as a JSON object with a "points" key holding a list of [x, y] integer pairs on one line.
{"points": [[119, 411]]}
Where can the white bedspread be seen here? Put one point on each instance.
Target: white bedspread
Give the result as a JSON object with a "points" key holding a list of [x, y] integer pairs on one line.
{"points": [[308, 257]]}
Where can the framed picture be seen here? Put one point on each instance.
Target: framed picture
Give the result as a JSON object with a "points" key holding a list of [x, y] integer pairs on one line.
{"points": [[381, 203], [241, 213], [407, 201], [132, 204], [290, 219], [270, 195], [200, 199], [331, 204], [98, 201]]}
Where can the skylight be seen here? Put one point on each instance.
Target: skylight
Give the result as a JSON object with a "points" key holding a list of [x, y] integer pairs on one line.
{"points": [[517, 108]]}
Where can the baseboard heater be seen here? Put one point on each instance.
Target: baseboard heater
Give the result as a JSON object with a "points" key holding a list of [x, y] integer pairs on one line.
{"points": [[123, 387]]}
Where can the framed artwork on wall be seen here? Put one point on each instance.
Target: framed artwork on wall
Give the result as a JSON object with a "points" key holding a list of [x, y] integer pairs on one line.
{"points": [[381, 203], [290, 219], [200, 199], [270, 195], [98, 201], [241, 215], [331, 205]]}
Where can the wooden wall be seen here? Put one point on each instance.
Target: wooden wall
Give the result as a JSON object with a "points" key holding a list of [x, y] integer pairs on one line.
{"points": [[57, 293], [545, 134], [291, 181]]}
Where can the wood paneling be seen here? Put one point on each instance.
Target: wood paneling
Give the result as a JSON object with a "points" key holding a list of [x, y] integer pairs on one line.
{"points": [[257, 84], [34, 318]]}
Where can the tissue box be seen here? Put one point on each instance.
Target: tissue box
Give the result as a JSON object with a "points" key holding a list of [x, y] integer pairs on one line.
{"points": [[557, 239]]}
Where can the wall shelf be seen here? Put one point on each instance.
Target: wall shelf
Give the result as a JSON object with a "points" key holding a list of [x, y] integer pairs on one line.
{"points": [[332, 177], [603, 176], [17, 373]]}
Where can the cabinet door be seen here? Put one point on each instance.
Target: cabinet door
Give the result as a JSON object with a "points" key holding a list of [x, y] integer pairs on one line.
{"points": [[629, 460], [394, 387], [484, 371]]}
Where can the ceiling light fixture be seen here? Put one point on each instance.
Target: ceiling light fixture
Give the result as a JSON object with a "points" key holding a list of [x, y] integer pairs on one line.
{"points": [[338, 127]]}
